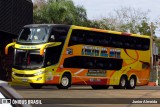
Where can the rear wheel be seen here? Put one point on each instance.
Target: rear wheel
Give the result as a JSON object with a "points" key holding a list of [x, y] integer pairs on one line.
{"points": [[65, 82], [122, 83], [131, 83], [100, 86], [36, 86]]}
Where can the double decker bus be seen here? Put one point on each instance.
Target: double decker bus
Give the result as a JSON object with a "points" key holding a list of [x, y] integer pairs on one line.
{"points": [[65, 55]]}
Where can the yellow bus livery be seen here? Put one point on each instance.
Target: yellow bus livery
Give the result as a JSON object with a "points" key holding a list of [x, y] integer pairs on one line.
{"points": [[65, 55]]}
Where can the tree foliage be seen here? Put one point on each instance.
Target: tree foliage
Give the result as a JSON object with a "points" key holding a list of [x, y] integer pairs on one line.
{"points": [[59, 11], [127, 19], [124, 19]]}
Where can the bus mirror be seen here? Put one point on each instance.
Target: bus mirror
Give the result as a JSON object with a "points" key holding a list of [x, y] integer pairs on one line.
{"points": [[42, 51], [50, 44], [6, 51], [9, 45]]}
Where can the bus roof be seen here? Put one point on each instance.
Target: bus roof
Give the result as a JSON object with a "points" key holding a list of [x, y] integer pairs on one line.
{"points": [[49, 25], [88, 28]]}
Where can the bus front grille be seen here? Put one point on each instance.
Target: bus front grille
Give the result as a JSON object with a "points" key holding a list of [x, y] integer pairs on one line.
{"points": [[24, 75]]}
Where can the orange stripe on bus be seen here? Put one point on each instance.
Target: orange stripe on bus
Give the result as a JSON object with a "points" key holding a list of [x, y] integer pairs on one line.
{"points": [[126, 34], [112, 72], [98, 30]]}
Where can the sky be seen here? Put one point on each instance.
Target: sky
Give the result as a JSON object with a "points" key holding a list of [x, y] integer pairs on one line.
{"points": [[97, 9]]}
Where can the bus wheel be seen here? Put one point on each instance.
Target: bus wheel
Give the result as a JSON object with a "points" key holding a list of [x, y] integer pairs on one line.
{"points": [[100, 86], [36, 86], [131, 83], [122, 83], [65, 82]]}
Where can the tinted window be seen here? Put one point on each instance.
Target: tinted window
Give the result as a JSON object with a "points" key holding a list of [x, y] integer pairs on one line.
{"points": [[52, 55], [34, 35], [28, 59], [58, 34], [107, 39], [93, 63]]}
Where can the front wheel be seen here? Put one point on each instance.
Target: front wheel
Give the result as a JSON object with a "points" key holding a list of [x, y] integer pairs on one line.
{"points": [[36, 86], [65, 82]]}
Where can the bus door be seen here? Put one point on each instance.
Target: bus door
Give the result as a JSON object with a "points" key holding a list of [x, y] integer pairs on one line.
{"points": [[53, 54]]}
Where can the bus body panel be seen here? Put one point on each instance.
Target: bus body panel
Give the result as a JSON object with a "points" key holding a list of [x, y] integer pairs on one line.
{"points": [[133, 62]]}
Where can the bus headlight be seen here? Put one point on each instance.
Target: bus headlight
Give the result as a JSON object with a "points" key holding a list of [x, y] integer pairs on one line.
{"points": [[13, 73], [38, 73]]}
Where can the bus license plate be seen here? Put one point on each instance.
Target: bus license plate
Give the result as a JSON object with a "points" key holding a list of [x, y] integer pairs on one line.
{"points": [[24, 80]]}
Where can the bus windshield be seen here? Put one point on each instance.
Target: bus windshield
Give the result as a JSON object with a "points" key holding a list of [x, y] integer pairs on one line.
{"points": [[28, 59], [34, 35]]}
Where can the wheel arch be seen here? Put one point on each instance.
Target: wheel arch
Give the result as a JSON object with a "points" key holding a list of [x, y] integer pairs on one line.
{"points": [[131, 84], [124, 75], [64, 73], [120, 84], [134, 76]]}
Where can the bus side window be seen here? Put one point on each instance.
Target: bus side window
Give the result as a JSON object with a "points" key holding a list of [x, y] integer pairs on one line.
{"points": [[52, 36], [58, 35], [90, 40], [25, 35], [73, 39], [91, 37], [76, 37], [145, 44], [52, 57]]}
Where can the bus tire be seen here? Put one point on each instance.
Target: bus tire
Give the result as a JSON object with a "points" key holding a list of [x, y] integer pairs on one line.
{"points": [[122, 83], [36, 86], [100, 87], [65, 82], [131, 83]]}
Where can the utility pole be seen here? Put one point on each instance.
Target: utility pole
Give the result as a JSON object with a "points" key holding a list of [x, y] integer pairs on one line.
{"points": [[151, 40], [154, 70]]}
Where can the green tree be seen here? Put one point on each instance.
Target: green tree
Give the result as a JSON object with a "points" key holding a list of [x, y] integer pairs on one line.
{"points": [[60, 11], [144, 28], [127, 19], [100, 24]]}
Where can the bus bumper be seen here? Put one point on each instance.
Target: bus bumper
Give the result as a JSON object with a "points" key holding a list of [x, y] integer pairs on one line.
{"points": [[26, 80]]}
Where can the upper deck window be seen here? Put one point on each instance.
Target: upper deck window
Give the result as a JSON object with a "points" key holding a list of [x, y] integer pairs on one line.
{"points": [[34, 35], [87, 37], [58, 34]]}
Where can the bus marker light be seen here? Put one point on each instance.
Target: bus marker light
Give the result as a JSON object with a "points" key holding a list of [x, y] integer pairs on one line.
{"points": [[39, 78], [61, 66]]}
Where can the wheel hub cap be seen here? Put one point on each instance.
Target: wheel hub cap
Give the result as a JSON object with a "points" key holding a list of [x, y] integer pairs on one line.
{"points": [[65, 81], [123, 82], [132, 82]]}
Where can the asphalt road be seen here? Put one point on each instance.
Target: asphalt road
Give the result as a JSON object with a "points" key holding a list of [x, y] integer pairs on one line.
{"points": [[85, 96]]}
